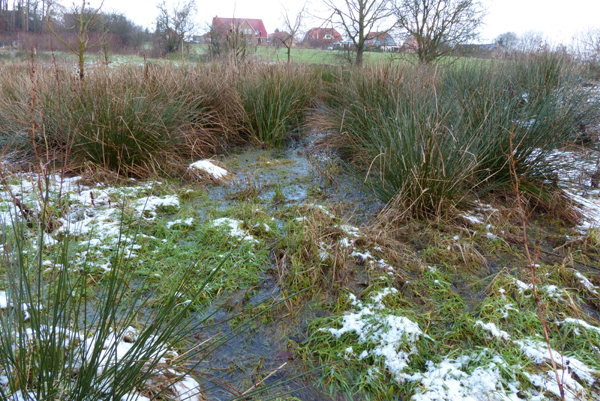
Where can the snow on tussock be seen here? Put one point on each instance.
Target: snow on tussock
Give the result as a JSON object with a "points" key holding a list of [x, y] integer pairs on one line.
{"points": [[551, 290], [572, 375], [586, 283], [149, 205], [181, 222], [233, 228], [449, 380], [393, 339], [538, 352], [493, 330]]}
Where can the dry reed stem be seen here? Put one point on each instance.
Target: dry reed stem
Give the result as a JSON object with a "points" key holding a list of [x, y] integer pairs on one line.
{"points": [[541, 313]]}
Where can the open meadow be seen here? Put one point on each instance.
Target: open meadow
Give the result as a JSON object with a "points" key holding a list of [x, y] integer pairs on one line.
{"points": [[182, 230]]}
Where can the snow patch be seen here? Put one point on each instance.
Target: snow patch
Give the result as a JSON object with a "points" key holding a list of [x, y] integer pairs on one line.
{"points": [[493, 330], [208, 167], [449, 380], [179, 222], [390, 337], [234, 229]]}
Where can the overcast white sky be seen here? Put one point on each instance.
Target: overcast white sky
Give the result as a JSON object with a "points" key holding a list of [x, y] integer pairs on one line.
{"points": [[559, 20]]}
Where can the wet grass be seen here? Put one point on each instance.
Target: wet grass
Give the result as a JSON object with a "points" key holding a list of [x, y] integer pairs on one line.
{"points": [[443, 276]]}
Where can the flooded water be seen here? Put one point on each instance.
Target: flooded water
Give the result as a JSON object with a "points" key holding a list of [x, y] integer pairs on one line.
{"points": [[263, 349], [286, 177]]}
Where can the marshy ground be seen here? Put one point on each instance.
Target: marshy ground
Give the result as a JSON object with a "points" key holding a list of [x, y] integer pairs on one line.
{"points": [[366, 242], [349, 302]]}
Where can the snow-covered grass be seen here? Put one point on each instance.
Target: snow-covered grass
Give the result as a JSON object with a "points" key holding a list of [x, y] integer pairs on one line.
{"points": [[446, 352], [100, 238], [427, 311], [66, 337]]}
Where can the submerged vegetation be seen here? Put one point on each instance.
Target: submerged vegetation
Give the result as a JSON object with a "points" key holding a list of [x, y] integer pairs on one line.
{"points": [[389, 232]]}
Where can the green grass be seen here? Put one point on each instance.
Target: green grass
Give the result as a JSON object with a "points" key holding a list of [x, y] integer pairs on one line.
{"points": [[65, 339], [353, 357]]}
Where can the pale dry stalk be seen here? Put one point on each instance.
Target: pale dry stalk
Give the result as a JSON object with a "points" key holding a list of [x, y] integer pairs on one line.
{"points": [[516, 182]]}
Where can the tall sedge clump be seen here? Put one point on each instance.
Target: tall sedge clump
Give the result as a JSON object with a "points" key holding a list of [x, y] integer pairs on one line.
{"points": [[130, 126], [392, 126], [503, 98], [275, 101], [128, 120], [428, 137]]}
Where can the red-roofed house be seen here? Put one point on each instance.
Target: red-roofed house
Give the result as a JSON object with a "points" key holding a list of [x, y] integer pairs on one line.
{"points": [[277, 38], [410, 46], [380, 40], [318, 37], [253, 29]]}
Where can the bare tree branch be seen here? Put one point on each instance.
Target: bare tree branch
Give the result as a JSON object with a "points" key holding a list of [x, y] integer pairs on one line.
{"points": [[357, 18], [175, 25], [435, 27], [83, 22], [292, 27]]}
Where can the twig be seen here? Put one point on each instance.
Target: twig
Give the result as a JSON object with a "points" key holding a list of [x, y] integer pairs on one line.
{"points": [[263, 380], [516, 182]]}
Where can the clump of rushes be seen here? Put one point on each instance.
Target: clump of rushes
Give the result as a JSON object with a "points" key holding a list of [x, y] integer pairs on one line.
{"points": [[129, 120], [275, 100], [427, 137]]}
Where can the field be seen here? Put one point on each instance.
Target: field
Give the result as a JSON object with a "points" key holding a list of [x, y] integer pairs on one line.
{"points": [[187, 230]]}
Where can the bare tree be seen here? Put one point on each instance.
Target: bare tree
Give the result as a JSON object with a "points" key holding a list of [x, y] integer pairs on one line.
{"points": [[228, 38], [532, 41], [587, 45], [176, 25], [292, 27], [509, 40], [438, 25], [84, 21], [359, 17]]}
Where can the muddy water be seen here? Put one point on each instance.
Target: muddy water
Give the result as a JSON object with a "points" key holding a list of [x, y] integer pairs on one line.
{"points": [[276, 179], [296, 177], [260, 349]]}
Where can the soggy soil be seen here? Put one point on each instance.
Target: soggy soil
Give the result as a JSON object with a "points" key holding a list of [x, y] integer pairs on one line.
{"points": [[277, 180]]}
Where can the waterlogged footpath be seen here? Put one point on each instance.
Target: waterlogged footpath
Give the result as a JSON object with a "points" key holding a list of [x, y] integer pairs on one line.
{"points": [[310, 293]]}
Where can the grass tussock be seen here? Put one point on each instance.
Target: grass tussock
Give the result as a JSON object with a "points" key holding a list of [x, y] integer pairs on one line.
{"points": [[426, 137], [130, 120], [275, 100]]}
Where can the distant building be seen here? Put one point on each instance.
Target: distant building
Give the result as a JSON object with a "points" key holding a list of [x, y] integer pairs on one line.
{"points": [[252, 29], [380, 41], [322, 37], [200, 38], [410, 45]]}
